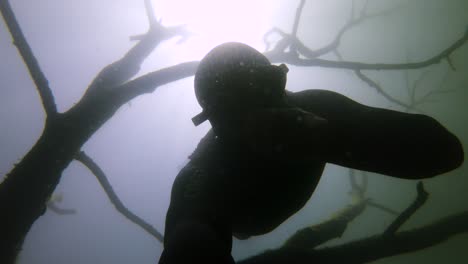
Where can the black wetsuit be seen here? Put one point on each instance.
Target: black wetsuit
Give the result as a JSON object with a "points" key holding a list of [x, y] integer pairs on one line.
{"points": [[228, 188]]}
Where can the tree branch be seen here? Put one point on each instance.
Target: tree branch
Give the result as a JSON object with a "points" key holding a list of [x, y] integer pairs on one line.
{"points": [[313, 236], [302, 49], [150, 13], [42, 85], [379, 89], [405, 215], [358, 192], [382, 207], [100, 175], [382, 246], [295, 60], [124, 69], [278, 54], [149, 82], [371, 248], [298, 17]]}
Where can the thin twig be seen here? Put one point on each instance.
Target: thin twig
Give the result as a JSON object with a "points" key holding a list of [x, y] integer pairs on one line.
{"points": [[355, 186], [315, 235], [297, 18], [436, 91], [382, 207], [302, 49], [361, 189], [416, 85], [150, 13], [379, 89], [100, 175], [450, 63], [406, 214], [41, 82]]}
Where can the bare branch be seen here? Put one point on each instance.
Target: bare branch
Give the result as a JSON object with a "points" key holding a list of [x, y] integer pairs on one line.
{"points": [[156, 25], [379, 89], [383, 208], [405, 215], [416, 85], [150, 13], [42, 85], [124, 69], [100, 175], [297, 18], [358, 192], [313, 236], [280, 46], [303, 50], [314, 62], [371, 248], [355, 186], [149, 82], [450, 63], [378, 247], [438, 90]]}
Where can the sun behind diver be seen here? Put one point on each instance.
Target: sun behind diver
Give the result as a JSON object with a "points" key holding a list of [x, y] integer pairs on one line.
{"points": [[267, 149]]}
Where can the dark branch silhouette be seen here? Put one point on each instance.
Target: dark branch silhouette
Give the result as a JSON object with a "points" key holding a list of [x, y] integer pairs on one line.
{"points": [[301, 248], [27, 187], [380, 90], [107, 187], [26, 53], [406, 214], [316, 235], [294, 60]]}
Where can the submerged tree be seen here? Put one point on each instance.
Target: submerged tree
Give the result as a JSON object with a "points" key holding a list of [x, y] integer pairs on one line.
{"points": [[25, 192]]}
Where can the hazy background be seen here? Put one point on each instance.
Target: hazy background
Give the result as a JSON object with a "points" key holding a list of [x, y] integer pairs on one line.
{"points": [[145, 144]]}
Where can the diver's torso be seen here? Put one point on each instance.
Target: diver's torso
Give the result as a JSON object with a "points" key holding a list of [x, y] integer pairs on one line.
{"points": [[254, 194]]}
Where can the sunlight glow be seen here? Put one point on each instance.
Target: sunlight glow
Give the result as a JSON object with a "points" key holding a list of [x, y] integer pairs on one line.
{"points": [[217, 21], [212, 22]]}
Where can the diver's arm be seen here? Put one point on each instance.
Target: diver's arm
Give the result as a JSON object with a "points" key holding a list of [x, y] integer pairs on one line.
{"points": [[379, 140], [196, 231]]}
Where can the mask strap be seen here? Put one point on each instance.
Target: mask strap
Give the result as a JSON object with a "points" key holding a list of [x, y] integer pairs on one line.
{"points": [[200, 118]]}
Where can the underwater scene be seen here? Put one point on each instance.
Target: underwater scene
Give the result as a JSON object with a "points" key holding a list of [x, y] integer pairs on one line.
{"points": [[157, 131]]}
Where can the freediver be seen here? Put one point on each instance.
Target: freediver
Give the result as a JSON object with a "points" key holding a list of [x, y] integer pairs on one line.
{"points": [[266, 151]]}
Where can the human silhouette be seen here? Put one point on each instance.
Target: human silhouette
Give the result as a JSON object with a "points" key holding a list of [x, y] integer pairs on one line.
{"points": [[266, 151]]}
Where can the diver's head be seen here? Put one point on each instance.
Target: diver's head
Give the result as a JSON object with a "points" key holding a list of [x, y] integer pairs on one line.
{"points": [[234, 78]]}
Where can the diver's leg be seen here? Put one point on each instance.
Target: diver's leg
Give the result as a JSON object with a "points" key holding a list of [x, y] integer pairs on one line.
{"points": [[379, 140]]}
